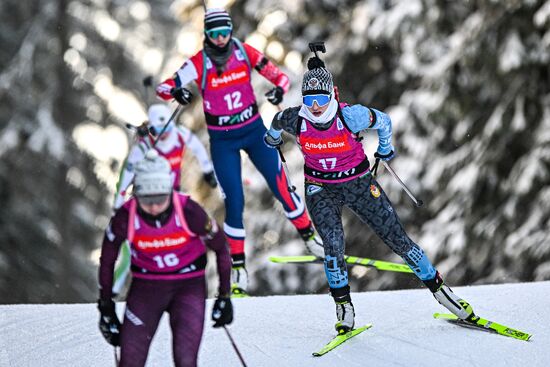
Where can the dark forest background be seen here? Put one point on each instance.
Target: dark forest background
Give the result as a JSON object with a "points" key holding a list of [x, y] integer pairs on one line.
{"points": [[466, 84]]}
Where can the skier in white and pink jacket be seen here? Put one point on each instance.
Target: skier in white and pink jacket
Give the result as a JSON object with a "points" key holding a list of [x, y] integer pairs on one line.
{"points": [[172, 145]]}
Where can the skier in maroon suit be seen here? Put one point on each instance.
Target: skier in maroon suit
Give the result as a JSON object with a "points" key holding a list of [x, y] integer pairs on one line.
{"points": [[168, 234]]}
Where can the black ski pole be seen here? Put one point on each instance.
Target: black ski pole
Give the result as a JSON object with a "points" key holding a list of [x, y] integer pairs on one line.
{"points": [[416, 201], [291, 187], [234, 346], [144, 132], [147, 83], [174, 114]]}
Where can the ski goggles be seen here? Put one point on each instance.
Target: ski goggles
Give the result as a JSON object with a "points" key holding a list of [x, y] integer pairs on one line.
{"points": [[215, 33], [321, 99], [156, 130], [152, 199]]}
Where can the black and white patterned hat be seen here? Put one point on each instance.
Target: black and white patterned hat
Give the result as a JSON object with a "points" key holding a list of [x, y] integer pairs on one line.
{"points": [[217, 19], [317, 79]]}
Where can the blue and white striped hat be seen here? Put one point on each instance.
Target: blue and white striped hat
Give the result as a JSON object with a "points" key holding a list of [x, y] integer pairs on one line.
{"points": [[217, 19]]}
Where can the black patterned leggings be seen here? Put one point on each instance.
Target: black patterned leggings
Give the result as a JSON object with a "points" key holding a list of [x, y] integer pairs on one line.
{"points": [[368, 201]]}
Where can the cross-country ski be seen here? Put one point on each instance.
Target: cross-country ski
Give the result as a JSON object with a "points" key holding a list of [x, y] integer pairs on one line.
{"points": [[480, 323], [274, 183], [351, 260], [339, 339]]}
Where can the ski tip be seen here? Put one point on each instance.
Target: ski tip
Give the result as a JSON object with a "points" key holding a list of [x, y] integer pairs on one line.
{"points": [[339, 339], [485, 325], [237, 292], [294, 259], [520, 335], [364, 327]]}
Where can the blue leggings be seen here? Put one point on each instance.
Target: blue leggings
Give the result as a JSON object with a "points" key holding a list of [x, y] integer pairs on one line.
{"points": [[225, 147]]}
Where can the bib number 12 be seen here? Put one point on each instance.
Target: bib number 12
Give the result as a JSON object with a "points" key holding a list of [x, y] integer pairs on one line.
{"points": [[233, 100]]}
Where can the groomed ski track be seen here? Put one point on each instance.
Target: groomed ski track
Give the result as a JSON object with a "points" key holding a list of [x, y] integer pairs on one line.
{"points": [[284, 330]]}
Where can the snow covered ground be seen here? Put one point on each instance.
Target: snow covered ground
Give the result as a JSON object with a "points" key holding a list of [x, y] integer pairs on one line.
{"points": [[284, 330]]}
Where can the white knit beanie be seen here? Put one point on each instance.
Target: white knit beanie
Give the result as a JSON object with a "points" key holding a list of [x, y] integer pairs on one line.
{"points": [[153, 175]]}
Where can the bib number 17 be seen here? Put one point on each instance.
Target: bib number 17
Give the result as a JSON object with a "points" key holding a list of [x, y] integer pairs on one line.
{"points": [[330, 161]]}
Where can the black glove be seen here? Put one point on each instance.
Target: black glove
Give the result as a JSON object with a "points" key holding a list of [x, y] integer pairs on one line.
{"points": [[275, 96], [108, 322], [222, 312], [182, 95], [272, 142], [143, 130], [210, 178], [385, 157], [288, 118]]}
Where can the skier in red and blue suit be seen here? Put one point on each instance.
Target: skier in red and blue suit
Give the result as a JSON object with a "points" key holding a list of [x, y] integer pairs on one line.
{"points": [[222, 71]]}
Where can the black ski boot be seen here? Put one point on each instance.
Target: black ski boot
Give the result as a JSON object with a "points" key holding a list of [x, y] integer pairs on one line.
{"points": [[345, 313]]}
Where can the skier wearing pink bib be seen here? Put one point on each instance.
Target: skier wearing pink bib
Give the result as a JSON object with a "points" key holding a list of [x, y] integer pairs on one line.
{"points": [[337, 174], [172, 145], [168, 234], [222, 72]]}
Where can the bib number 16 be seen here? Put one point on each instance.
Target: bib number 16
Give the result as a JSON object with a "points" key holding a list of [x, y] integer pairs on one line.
{"points": [[166, 260]]}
